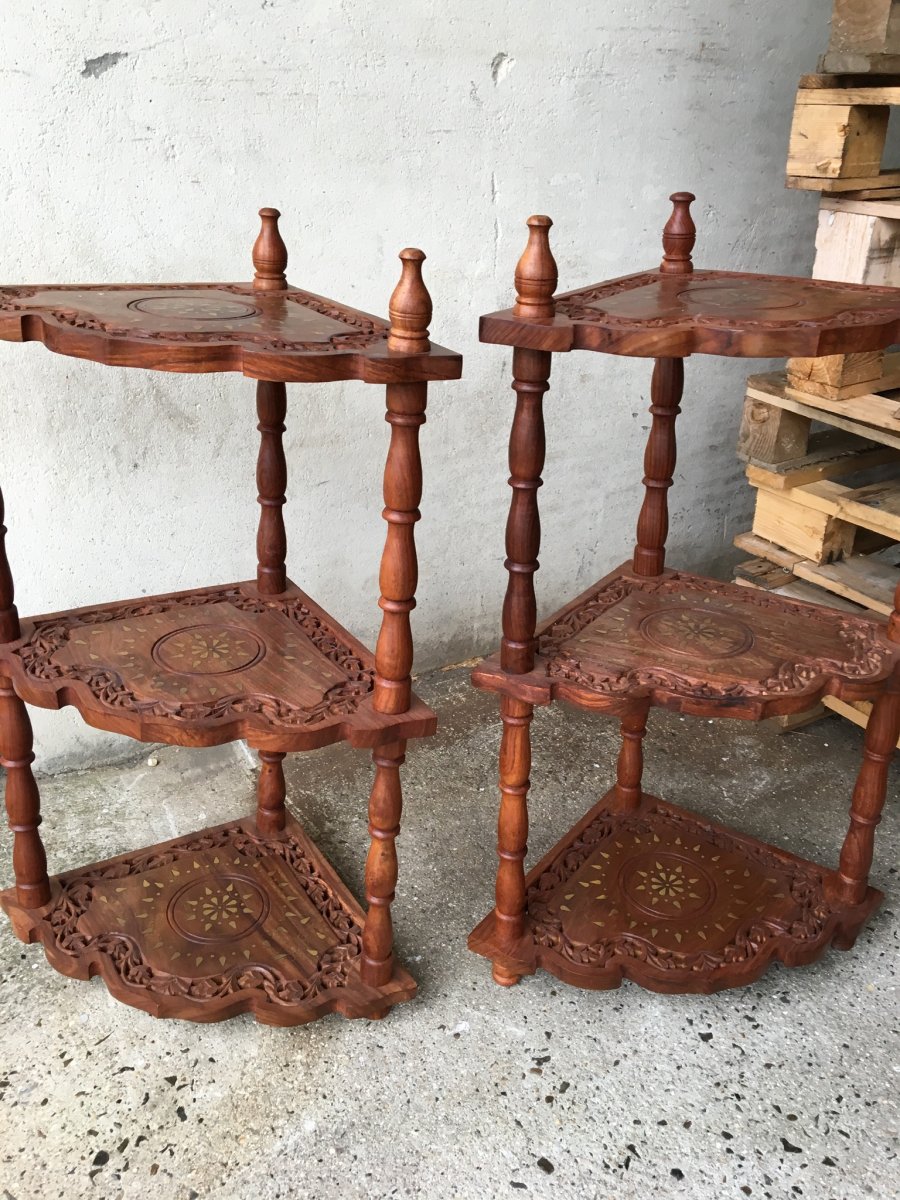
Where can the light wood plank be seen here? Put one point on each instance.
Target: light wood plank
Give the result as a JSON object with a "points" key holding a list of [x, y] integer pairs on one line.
{"points": [[771, 389], [857, 711], [878, 185], [843, 454]]}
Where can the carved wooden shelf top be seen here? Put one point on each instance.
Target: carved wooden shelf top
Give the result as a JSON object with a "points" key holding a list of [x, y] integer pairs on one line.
{"points": [[697, 646], [213, 924], [286, 335], [651, 314], [203, 667], [671, 900]]}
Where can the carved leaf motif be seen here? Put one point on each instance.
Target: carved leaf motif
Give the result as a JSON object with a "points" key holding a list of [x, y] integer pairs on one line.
{"points": [[332, 967], [37, 656]]}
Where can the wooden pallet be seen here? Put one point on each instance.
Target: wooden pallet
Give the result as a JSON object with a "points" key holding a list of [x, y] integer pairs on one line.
{"points": [[776, 426], [838, 136], [865, 37]]}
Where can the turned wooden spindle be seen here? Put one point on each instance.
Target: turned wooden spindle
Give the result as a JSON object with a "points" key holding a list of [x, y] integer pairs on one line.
{"points": [[23, 801], [630, 766], [385, 811], [270, 256], [531, 373], [870, 792], [271, 482], [406, 404], [679, 236], [512, 828], [271, 815], [9, 617], [536, 273], [666, 388], [410, 306]]}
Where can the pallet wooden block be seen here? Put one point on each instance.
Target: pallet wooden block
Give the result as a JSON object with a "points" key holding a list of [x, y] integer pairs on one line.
{"points": [[838, 136], [807, 531], [854, 246], [865, 37], [763, 432]]}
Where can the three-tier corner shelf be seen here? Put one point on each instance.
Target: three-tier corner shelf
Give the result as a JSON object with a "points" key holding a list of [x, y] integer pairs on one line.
{"points": [[247, 916], [639, 888]]}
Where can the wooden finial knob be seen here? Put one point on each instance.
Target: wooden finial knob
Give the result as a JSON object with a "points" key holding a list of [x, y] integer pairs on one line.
{"points": [[679, 236], [536, 273], [270, 256], [410, 306]]}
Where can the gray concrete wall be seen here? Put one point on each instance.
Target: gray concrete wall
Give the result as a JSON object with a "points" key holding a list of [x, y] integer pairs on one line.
{"points": [[139, 139]]}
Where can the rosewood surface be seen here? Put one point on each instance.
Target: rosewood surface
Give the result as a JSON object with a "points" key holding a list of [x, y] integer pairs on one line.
{"points": [[639, 889], [213, 924], [248, 917]]}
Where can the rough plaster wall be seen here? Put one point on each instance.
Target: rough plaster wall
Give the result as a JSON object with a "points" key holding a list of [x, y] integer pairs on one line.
{"points": [[139, 140]]}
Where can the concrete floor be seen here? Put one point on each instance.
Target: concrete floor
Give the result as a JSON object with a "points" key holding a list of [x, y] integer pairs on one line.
{"points": [[786, 1088]]}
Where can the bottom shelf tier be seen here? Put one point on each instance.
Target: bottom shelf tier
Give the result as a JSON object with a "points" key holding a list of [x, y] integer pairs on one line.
{"points": [[213, 924], [671, 901]]}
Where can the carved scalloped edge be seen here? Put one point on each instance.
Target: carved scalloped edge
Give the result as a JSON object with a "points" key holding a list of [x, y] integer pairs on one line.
{"points": [[870, 658], [36, 655], [272, 987], [577, 305], [750, 941], [365, 331]]}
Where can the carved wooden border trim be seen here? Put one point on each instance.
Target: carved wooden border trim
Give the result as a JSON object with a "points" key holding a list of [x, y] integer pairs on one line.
{"points": [[805, 887], [123, 953], [577, 306], [36, 655], [869, 656], [364, 332]]}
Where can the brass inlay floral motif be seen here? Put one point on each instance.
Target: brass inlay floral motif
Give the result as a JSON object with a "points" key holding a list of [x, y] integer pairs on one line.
{"points": [[694, 631], [208, 650]]}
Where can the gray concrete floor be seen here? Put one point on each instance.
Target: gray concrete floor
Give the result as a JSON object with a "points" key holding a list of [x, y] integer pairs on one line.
{"points": [[786, 1088]]}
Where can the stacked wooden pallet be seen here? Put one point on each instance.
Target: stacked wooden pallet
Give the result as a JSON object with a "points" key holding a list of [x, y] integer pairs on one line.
{"points": [[821, 439]]}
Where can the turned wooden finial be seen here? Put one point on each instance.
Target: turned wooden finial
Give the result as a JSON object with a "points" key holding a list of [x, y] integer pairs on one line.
{"points": [[679, 236], [410, 306], [270, 256], [536, 273]]}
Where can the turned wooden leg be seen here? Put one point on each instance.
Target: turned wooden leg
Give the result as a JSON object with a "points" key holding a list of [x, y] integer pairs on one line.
{"points": [[271, 481], [630, 768], [512, 826], [270, 793], [869, 795], [23, 801], [385, 809]]}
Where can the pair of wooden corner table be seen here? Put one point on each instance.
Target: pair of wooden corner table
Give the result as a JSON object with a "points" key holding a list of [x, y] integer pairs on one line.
{"points": [[249, 916]]}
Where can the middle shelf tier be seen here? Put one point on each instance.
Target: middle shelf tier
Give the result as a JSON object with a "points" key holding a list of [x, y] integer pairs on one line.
{"points": [[697, 646], [207, 666]]}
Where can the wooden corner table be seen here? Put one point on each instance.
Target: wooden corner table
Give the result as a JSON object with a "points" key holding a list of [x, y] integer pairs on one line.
{"points": [[639, 888], [248, 916]]}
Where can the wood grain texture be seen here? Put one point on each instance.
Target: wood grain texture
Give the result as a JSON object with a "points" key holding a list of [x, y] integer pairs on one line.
{"points": [[666, 390], [207, 666], [385, 811], [671, 901], [23, 801], [217, 923], [527, 445], [698, 646], [271, 814], [639, 889], [271, 481]]}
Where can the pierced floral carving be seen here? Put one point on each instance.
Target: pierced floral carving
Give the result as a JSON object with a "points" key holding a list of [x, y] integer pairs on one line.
{"points": [[37, 653], [868, 656], [363, 332], [332, 967], [585, 305], [803, 884]]}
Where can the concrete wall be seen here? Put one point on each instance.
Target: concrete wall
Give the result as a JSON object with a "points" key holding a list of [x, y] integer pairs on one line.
{"points": [[138, 141]]}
